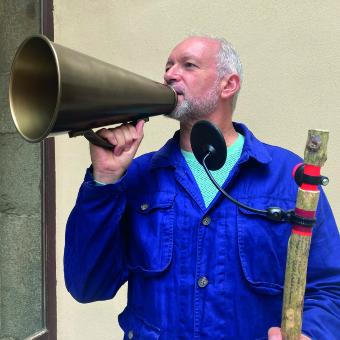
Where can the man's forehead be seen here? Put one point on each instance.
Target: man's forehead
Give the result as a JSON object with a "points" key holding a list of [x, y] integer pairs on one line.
{"points": [[195, 48]]}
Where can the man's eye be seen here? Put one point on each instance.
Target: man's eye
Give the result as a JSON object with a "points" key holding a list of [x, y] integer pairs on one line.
{"points": [[190, 65], [167, 69]]}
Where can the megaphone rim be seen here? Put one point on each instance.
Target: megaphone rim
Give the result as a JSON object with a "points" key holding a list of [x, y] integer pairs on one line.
{"points": [[12, 106]]}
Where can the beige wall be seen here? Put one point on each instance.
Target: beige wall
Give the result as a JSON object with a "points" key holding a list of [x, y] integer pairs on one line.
{"points": [[289, 51]]}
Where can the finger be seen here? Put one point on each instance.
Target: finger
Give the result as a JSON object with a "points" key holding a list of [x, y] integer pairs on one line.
{"points": [[274, 333], [107, 134], [140, 135], [119, 135], [133, 131], [128, 137]]}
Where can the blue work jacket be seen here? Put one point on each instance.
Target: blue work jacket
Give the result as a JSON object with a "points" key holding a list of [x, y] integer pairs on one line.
{"points": [[195, 272]]}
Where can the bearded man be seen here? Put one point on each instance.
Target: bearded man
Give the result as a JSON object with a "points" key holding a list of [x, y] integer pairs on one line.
{"points": [[197, 266]]}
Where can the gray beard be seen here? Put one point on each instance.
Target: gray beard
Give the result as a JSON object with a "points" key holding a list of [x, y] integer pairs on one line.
{"points": [[195, 108]]}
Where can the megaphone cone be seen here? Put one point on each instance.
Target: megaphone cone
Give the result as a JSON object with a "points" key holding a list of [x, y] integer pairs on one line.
{"points": [[56, 90]]}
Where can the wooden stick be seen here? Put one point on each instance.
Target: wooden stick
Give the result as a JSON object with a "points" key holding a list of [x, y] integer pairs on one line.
{"points": [[299, 241]]}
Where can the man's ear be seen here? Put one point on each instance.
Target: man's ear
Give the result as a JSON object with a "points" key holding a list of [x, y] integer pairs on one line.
{"points": [[230, 84]]}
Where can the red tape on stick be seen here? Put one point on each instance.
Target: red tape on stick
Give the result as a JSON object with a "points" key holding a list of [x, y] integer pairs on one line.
{"points": [[305, 213], [312, 171], [297, 229], [305, 231]]}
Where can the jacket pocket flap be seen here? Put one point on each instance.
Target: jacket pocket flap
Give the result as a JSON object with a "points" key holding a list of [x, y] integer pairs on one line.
{"points": [[263, 244], [144, 202], [134, 325], [150, 219]]}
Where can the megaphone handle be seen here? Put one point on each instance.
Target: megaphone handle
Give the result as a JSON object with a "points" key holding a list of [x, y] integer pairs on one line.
{"points": [[95, 139]]}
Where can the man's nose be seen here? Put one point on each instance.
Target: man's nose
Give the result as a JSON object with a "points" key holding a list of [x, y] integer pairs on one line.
{"points": [[172, 75]]}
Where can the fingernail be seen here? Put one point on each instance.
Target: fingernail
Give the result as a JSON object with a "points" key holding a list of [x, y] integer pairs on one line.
{"points": [[273, 337], [115, 141], [134, 136]]}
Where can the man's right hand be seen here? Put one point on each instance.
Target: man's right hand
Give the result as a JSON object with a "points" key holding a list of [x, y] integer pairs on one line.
{"points": [[109, 166]]}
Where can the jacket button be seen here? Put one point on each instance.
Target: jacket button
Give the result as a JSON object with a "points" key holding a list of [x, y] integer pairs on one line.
{"points": [[130, 335], [144, 206], [202, 282], [206, 220]]}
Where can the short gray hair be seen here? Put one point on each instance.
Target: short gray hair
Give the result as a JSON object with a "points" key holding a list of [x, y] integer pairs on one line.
{"points": [[227, 60]]}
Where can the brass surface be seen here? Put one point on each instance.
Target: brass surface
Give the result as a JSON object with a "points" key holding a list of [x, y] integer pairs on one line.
{"points": [[55, 90]]}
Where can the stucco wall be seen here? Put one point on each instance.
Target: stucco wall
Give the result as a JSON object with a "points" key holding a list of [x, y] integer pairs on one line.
{"points": [[20, 200], [289, 51]]}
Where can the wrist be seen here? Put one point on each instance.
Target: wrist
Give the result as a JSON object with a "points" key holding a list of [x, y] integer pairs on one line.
{"points": [[106, 177]]}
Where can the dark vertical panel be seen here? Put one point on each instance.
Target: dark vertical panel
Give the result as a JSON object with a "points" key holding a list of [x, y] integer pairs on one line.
{"points": [[48, 151], [48, 25], [49, 206]]}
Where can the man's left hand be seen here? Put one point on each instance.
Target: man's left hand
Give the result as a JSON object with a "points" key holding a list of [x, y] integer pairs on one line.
{"points": [[275, 334]]}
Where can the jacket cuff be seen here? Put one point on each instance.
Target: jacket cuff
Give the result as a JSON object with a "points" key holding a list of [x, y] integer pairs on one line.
{"points": [[90, 188]]}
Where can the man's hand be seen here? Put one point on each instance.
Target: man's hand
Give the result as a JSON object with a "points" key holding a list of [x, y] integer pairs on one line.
{"points": [[274, 333], [109, 166]]}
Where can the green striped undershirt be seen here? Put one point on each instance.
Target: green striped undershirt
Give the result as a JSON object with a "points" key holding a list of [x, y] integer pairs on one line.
{"points": [[207, 188]]}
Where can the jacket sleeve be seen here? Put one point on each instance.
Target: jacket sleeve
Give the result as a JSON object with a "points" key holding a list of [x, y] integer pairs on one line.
{"points": [[321, 318], [94, 256]]}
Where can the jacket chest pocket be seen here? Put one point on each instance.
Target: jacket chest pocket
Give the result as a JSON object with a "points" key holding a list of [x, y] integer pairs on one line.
{"points": [[150, 231], [263, 244]]}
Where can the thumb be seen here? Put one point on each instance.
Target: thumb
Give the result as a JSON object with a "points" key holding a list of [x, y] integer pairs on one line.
{"points": [[274, 333], [140, 135], [139, 127]]}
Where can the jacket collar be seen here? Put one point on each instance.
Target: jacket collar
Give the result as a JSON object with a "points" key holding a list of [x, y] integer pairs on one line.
{"points": [[170, 154]]}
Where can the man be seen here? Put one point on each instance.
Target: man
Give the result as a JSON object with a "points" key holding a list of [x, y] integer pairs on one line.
{"points": [[198, 267]]}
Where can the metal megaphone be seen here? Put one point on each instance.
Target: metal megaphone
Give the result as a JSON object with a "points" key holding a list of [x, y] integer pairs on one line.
{"points": [[56, 90]]}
